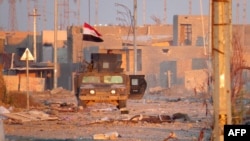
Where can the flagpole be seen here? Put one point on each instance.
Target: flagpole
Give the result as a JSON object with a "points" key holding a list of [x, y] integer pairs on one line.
{"points": [[89, 11], [55, 44], [81, 56], [135, 47]]}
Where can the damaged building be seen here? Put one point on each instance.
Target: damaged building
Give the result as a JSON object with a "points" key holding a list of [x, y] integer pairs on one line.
{"points": [[170, 56]]}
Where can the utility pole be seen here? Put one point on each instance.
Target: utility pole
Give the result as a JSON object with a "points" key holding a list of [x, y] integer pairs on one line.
{"points": [[134, 26], [55, 43], [96, 11], [190, 7], [89, 10], [221, 53], [165, 11], [34, 30], [144, 12]]}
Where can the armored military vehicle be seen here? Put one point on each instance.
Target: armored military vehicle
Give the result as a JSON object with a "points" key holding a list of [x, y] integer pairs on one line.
{"points": [[105, 81]]}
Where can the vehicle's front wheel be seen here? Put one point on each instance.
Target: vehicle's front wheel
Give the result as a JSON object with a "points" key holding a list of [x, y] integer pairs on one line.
{"points": [[122, 104]]}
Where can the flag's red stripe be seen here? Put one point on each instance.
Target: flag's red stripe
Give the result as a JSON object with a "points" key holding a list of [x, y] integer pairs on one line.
{"points": [[90, 27]]}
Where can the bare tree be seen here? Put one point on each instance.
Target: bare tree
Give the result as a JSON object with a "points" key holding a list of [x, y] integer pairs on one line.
{"points": [[237, 82]]}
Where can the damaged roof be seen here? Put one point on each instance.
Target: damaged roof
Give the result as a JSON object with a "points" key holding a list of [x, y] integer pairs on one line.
{"points": [[11, 61]]}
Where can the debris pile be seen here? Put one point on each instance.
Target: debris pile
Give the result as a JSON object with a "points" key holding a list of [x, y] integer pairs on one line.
{"points": [[20, 117], [107, 136]]}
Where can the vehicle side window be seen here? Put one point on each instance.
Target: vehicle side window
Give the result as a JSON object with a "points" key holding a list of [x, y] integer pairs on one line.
{"points": [[134, 82], [113, 79]]}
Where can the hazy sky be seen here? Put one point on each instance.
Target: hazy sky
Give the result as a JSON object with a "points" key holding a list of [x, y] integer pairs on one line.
{"points": [[108, 12]]}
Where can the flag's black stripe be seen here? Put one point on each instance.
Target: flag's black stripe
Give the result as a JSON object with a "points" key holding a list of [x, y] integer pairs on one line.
{"points": [[87, 37]]}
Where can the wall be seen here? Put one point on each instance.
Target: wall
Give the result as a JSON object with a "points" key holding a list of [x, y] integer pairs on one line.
{"points": [[16, 83], [196, 80], [112, 36], [48, 36], [156, 61], [177, 60], [199, 27]]}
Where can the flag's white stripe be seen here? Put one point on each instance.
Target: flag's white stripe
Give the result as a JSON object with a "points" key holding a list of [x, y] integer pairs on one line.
{"points": [[89, 32]]}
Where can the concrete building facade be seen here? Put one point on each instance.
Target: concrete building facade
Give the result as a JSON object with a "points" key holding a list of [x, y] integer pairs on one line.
{"points": [[190, 30], [168, 55]]}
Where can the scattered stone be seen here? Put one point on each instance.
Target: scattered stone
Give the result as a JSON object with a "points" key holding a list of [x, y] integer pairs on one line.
{"points": [[152, 118], [104, 110], [2, 111], [136, 118], [171, 135], [56, 90], [80, 108], [173, 100], [52, 112], [124, 111], [180, 117], [165, 118], [155, 90], [106, 136]]}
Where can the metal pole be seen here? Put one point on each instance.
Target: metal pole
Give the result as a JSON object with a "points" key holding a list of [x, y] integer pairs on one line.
{"points": [[89, 11], [221, 45], [27, 80], [34, 30], [169, 78], [135, 47], [55, 43], [34, 36], [144, 12]]}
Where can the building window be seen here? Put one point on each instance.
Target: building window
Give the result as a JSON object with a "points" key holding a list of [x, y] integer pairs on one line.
{"points": [[186, 34]]}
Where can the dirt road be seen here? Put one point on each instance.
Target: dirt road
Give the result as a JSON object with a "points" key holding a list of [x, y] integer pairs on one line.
{"points": [[145, 120]]}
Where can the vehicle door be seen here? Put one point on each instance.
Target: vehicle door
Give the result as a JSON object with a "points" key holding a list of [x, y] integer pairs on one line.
{"points": [[138, 86]]}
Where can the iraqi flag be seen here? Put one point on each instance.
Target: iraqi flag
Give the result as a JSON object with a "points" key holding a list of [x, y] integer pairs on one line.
{"points": [[90, 34]]}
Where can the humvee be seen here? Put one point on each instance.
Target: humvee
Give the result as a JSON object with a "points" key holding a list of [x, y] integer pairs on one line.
{"points": [[105, 81]]}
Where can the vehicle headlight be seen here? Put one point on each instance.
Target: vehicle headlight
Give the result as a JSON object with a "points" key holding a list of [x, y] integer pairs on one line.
{"points": [[113, 92], [92, 91]]}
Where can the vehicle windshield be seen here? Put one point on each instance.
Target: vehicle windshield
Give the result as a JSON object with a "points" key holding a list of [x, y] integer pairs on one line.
{"points": [[91, 79], [117, 79]]}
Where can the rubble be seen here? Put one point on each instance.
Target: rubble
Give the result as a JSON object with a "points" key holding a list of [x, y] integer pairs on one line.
{"points": [[59, 117], [155, 90], [28, 116], [56, 90], [171, 135], [107, 136], [180, 117], [3, 110]]}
